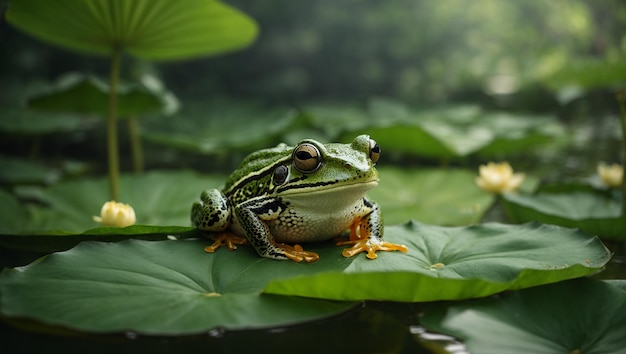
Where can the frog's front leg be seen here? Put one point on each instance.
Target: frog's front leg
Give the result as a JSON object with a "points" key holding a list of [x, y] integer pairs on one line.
{"points": [[213, 214], [366, 234], [252, 217]]}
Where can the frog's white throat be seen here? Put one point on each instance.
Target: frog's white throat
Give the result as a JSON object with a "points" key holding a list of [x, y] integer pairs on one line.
{"points": [[329, 199]]}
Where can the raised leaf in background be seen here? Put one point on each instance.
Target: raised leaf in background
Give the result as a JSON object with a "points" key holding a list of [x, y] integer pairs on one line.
{"points": [[451, 132], [576, 316], [19, 121], [16, 170], [152, 287], [517, 133], [148, 29], [221, 125], [595, 212], [432, 196], [78, 93], [12, 213]]}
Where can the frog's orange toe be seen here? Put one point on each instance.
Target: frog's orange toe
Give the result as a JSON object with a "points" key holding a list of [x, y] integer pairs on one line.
{"points": [[370, 245], [227, 239], [297, 254]]}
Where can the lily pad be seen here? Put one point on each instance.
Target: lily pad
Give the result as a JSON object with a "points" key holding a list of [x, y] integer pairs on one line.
{"points": [[452, 132], [16, 170], [445, 263], [433, 196], [158, 197], [577, 316], [150, 287], [174, 287], [152, 29], [18, 120], [595, 212], [54, 241], [84, 94], [13, 213], [219, 126]]}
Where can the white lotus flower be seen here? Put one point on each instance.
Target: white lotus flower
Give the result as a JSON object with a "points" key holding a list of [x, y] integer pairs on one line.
{"points": [[116, 214], [498, 178], [611, 175]]}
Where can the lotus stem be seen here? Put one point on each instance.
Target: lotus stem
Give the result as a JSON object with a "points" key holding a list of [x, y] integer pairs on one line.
{"points": [[112, 141], [134, 132], [622, 115]]}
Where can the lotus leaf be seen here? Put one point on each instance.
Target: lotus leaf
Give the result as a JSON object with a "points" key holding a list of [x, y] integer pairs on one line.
{"points": [[577, 316]]}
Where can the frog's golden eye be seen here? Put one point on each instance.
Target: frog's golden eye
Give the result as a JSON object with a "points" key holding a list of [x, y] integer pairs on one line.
{"points": [[374, 151], [307, 158], [280, 175]]}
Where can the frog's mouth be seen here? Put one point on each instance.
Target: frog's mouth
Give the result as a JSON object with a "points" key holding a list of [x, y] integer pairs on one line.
{"points": [[355, 187]]}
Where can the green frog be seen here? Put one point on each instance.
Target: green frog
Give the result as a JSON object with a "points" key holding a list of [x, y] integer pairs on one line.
{"points": [[283, 196]]}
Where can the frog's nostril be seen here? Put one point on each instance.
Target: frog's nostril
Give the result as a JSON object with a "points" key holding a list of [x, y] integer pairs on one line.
{"points": [[347, 166]]}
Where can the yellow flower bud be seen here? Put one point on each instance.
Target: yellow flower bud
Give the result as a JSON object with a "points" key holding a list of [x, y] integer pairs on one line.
{"points": [[116, 214], [611, 175], [498, 178]]}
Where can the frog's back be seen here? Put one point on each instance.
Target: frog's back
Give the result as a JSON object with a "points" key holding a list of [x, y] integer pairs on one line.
{"points": [[256, 166]]}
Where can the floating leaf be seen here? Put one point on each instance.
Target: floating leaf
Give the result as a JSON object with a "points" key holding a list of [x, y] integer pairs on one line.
{"points": [[148, 29], [16, 170], [17, 120], [158, 197], [174, 287], [432, 196], [12, 212], [220, 126], [78, 93], [151, 287], [577, 316], [53, 241], [445, 263], [594, 212]]}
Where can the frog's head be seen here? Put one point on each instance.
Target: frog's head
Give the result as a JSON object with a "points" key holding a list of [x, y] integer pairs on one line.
{"points": [[315, 167]]}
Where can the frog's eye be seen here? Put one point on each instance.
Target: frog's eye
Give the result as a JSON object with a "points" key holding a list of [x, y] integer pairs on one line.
{"points": [[280, 175], [307, 158], [374, 151]]}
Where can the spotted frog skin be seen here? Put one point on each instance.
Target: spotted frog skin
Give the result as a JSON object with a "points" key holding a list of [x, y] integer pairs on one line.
{"points": [[290, 195]]}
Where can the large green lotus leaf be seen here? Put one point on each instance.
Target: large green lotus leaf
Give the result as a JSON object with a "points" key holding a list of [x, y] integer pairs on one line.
{"points": [[518, 133], [158, 197], [153, 287], [16, 170], [149, 29], [430, 139], [54, 240], [219, 126], [78, 93], [596, 213], [432, 196], [577, 316], [18, 120], [449, 263], [174, 287], [12, 213]]}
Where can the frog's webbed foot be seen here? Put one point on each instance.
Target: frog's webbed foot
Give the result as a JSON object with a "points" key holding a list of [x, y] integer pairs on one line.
{"points": [[297, 254], [370, 245], [227, 239]]}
